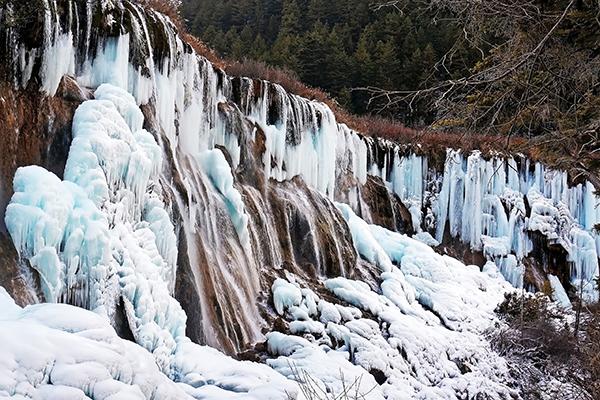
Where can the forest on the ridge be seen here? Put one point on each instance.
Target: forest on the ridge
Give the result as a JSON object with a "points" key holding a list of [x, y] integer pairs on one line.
{"points": [[506, 68], [335, 45]]}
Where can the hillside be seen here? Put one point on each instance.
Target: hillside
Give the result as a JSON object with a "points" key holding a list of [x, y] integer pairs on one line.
{"points": [[171, 231], [502, 70], [334, 45]]}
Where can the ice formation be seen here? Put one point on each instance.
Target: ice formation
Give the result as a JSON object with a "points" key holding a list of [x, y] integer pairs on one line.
{"points": [[418, 349], [479, 200], [104, 237], [47, 215], [57, 351], [215, 165], [87, 235]]}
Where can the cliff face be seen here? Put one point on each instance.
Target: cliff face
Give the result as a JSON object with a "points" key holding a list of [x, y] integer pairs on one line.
{"points": [[184, 203]]}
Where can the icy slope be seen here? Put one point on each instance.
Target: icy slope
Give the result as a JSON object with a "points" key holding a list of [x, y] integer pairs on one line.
{"points": [[88, 236], [179, 231], [428, 346], [57, 351], [100, 237], [485, 203]]}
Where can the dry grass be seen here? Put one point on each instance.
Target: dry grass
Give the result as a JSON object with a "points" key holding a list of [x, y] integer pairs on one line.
{"points": [[313, 389], [202, 49], [168, 8]]}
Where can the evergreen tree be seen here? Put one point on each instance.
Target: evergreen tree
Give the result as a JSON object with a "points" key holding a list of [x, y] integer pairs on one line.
{"points": [[387, 64], [339, 65], [216, 39], [428, 60], [332, 44], [314, 52], [285, 52], [259, 49], [290, 18], [363, 59]]}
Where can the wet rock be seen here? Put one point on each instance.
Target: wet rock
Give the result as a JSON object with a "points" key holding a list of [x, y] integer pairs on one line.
{"points": [[69, 90]]}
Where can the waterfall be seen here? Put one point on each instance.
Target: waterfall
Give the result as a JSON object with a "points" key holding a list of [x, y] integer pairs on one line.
{"points": [[200, 208]]}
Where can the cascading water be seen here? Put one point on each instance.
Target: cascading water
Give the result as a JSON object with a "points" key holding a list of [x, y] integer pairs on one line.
{"points": [[195, 199]]}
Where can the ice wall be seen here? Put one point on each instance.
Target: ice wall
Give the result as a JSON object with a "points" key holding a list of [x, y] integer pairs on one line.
{"points": [[88, 235], [106, 233], [480, 201]]}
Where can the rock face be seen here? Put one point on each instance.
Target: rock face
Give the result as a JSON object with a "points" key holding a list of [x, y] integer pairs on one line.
{"points": [[268, 137], [37, 131], [226, 208]]}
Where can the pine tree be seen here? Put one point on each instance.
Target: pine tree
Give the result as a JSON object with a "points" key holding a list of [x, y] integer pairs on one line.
{"points": [[332, 44], [313, 53], [259, 49], [316, 11], [428, 60], [237, 49], [290, 18], [339, 65], [285, 52], [387, 64], [215, 38], [363, 58]]}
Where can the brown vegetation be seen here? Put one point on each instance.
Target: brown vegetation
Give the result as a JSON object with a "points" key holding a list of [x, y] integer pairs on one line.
{"points": [[540, 343], [170, 8]]}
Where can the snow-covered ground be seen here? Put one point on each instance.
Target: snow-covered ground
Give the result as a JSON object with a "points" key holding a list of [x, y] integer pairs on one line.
{"points": [[420, 332], [103, 236], [57, 351]]}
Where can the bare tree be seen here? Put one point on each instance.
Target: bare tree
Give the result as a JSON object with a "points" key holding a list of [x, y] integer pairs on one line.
{"points": [[537, 75], [14, 13]]}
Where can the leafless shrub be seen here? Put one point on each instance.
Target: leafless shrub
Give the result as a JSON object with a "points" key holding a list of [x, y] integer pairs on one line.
{"points": [[539, 344], [537, 76], [313, 389], [590, 350]]}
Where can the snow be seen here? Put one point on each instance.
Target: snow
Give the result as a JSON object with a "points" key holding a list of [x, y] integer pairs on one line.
{"points": [[104, 235], [78, 353], [86, 235], [418, 346], [364, 242], [238, 379], [285, 295], [107, 194], [52, 351], [584, 257], [329, 312], [301, 136], [330, 371], [425, 237]]}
